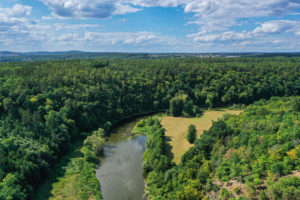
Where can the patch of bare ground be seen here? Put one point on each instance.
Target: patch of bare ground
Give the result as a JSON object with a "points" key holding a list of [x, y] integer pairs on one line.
{"points": [[229, 186], [233, 184]]}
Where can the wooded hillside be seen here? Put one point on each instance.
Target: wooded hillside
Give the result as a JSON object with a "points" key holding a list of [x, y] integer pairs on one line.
{"points": [[46, 105]]}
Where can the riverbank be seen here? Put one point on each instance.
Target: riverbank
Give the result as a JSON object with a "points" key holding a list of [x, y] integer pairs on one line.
{"points": [[71, 178], [66, 178], [157, 156]]}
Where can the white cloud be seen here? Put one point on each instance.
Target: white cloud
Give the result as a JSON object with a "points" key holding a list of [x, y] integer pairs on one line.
{"points": [[228, 35], [277, 41], [14, 15], [68, 37], [129, 38], [210, 15], [277, 26], [121, 9], [155, 3], [214, 18], [88, 37], [88, 8], [13, 24], [219, 15], [264, 30], [69, 27], [101, 8], [17, 11]]}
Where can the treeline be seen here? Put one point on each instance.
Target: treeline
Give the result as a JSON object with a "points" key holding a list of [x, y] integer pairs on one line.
{"points": [[157, 157], [255, 155], [47, 105]]}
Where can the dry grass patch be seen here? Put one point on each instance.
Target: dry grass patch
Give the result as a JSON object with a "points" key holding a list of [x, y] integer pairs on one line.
{"points": [[176, 129]]}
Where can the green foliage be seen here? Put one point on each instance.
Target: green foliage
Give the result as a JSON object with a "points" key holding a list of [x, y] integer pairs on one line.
{"points": [[258, 145], [155, 156], [10, 189], [176, 106], [277, 168], [225, 194], [237, 190], [89, 184], [285, 188], [188, 108], [296, 105], [95, 142], [192, 134], [72, 177], [156, 159], [262, 195], [181, 105], [107, 126], [47, 105]]}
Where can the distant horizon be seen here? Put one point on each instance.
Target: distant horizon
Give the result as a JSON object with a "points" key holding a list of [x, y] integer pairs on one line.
{"points": [[80, 51]]}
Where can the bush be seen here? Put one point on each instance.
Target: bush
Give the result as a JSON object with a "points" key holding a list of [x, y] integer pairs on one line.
{"points": [[237, 190], [224, 194], [285, 188], [191, 135], [296, 105], [277, 168], [95, 142], [107, 126], [91, 157]]}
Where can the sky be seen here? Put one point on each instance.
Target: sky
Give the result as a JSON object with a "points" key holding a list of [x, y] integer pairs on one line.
{"points": [[190, 26]]}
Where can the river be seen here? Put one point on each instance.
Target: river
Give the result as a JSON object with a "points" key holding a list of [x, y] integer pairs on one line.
{"points": [[120, 172]]}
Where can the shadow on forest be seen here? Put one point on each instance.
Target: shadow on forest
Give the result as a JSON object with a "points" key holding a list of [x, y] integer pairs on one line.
{"points": [[218, 109], [57, 172], [200, 114], [168, 148]]}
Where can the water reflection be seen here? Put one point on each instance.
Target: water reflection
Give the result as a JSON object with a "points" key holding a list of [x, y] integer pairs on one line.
{"points": [[121, 172]]}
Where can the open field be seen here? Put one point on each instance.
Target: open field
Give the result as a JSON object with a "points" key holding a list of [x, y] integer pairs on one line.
{"points": [[176, 129]]}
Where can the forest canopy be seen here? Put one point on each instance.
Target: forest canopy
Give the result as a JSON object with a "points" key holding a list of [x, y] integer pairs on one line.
{"points": [[47, 105]]}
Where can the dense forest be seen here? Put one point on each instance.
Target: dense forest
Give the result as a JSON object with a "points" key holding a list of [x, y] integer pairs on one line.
{"points": [[47, 105], [255, 155]]}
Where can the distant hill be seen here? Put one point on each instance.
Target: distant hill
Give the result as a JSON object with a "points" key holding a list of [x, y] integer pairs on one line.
{"points": [[7, 56]]}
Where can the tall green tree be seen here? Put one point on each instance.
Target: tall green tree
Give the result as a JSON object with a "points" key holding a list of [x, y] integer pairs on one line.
{"points": [[176, 106], [192, 133]]}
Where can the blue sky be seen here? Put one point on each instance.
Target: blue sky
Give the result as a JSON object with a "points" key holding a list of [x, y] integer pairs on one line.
{"points": [[150, 25]]}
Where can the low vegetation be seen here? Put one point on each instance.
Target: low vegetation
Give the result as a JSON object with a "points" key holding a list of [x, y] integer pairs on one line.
{"points": [[73, 177]]}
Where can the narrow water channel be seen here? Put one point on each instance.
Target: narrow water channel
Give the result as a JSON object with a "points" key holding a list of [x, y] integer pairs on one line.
{"points": [[120, 172]]}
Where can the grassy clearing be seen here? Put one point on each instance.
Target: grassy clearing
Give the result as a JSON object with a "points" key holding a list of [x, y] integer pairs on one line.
{"points": [[176, 129]]}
